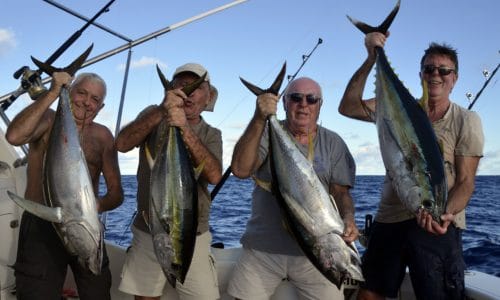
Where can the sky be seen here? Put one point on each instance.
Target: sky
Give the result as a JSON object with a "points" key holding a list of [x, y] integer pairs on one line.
{"points": [[252, 40]]}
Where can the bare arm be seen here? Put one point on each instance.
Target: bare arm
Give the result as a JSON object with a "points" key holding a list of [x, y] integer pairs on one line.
{"points": [[245, 159], [351, 104], [345, 204], [212, 170], [111, 172], [30, 124], [135, 133]]}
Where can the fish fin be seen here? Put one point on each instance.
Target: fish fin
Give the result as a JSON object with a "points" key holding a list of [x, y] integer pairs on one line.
{"points": [[199, 169], [310, 147], [274, 88], [146, 219], [332, 200], [149, 157], [172, 280], [424, 101], [383, 28], [163, 79], [71, 69], [188, 89], [51, 214], [263, 184]]}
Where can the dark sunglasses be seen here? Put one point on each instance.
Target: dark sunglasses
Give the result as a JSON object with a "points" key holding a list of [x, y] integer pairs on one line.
{"points": [[443, 71], [297, 98]]}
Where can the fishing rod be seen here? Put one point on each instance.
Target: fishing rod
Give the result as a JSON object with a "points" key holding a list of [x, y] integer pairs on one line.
{"points": [[127, 65], [226, 174], [486, 74], [146, 38], [30, 80]]}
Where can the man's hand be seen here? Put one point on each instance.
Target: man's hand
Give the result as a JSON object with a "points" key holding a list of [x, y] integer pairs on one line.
{"points": [[424, 220]]}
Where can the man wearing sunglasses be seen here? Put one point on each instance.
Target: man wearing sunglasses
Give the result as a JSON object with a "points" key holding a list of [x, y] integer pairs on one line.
{"points": [[270, 253], [399, 238]]}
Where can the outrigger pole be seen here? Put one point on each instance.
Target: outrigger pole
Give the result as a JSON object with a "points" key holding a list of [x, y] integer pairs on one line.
{"points": [[226, 174], [29, 77], [145, 38], [484, 85]]}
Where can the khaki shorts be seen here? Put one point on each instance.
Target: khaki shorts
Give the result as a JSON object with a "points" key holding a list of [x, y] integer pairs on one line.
{"points": [[143, 276], [257, 275]]}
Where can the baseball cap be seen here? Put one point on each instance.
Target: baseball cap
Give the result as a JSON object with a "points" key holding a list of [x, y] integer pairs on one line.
{"points": [[200, 70]]}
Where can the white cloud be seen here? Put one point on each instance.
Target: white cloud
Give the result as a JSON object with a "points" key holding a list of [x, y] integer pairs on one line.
{"points": [[142, 62], [7, 41], [490, 163], [368, 159]]}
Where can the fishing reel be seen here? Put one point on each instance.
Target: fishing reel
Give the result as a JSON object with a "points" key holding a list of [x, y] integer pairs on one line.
{"points": [[31, 81]]}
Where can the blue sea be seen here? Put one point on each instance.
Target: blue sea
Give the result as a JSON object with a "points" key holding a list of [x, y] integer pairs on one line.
{"points": [[231, 210]]}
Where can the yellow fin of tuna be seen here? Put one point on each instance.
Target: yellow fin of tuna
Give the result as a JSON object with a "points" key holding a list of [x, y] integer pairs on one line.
{"points": [[149, 157], [199, 169], [310, 147], [425, 97], [263, 184]]}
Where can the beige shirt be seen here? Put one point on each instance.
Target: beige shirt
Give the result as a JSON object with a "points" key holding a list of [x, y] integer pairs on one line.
{"points": [[212, 139], [460, 133]]}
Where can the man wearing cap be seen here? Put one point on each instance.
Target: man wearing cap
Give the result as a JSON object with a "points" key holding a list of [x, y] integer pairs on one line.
{"points": [[142, 275]]}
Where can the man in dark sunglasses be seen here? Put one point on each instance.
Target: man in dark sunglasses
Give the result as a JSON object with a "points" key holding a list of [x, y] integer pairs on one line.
{"points": [[401, 238], [270, 253]]}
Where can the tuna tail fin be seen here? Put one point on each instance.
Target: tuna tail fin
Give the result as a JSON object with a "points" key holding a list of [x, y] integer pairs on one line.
{"points": [[273, 89], [51, 214], [382, 28], [188, 89], [70, 69]]}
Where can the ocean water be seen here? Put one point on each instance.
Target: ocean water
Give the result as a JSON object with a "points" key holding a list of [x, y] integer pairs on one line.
{"points": [[231, 210]]}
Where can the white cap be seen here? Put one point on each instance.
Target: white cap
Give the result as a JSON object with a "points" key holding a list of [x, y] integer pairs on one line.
{"points": [[199, 70]]}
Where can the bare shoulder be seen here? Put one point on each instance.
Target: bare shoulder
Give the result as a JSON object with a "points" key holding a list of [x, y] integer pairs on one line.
{"points": [[102, 132]]}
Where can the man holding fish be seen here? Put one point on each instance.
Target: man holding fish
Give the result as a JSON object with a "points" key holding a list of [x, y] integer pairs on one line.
{"points": [[145, 273], [401, 236], [42, 259], [271, 252]]}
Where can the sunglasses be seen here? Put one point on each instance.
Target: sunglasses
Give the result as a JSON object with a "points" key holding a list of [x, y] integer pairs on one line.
{"points": [[297, 98], [443, 71]]}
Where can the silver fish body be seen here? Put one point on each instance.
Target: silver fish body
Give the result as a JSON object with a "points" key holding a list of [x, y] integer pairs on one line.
{"points": [[311, 214], [173, 209], [68, 186], [409, 146]]}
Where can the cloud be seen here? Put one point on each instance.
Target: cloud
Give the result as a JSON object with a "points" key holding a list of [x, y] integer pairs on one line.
{"points": [[7, 41], [490, 163], [142, 62], [368, 159]]}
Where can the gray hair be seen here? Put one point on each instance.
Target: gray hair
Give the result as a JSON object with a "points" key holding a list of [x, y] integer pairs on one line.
{"points": [[91, 77]]}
